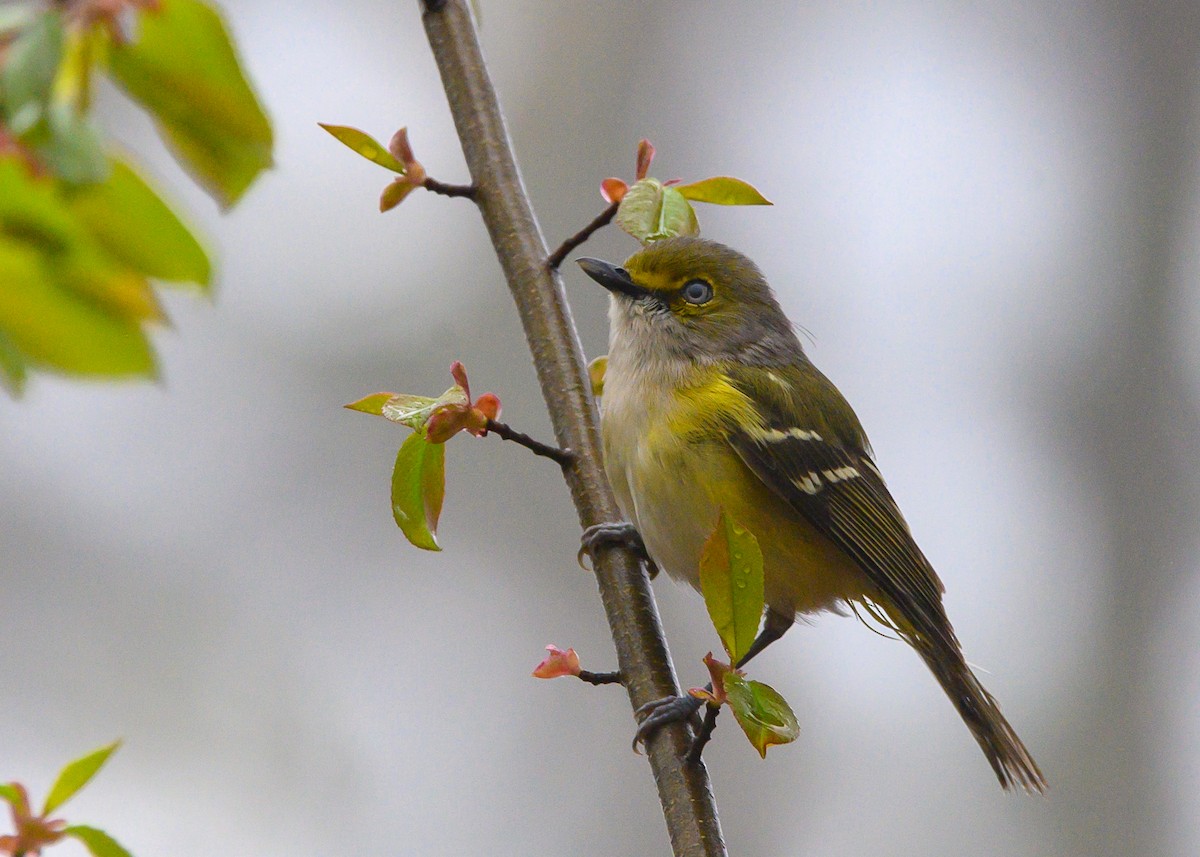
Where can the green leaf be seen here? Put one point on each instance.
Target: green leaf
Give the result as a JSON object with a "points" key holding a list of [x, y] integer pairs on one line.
{"points": [[73, 151], [677, 217], [12, 366], [650, 212], [10, 793], [120, 291], [723, 190], [99, 843], [731, 580], [76, 775], [53, 326], [31, 209], [415, 411], [30, 65], [364, 144], [138, 229], [418, 488], [372, 404], [183, 68], [34, 215], [763, 714]]}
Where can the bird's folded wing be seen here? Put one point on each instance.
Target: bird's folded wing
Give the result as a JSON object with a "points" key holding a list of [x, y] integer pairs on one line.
{"points": [[832, 481]]}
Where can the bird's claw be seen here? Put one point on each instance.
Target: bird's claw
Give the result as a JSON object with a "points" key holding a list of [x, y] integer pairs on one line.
{"points": [[613, 533], [659, 712]]}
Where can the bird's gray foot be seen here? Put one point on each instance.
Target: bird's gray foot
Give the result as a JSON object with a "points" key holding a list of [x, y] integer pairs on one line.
{"points": [[659, 712], [614, 533]]}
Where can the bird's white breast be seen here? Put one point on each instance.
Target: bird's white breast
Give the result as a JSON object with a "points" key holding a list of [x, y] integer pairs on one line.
{"points": [[656, 475]]}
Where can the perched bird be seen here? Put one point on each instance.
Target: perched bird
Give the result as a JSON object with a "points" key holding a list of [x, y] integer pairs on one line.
{"points": [[710, 404]]}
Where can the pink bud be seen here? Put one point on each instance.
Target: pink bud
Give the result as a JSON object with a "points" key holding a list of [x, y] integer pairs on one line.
{"points": [[557, 664]]}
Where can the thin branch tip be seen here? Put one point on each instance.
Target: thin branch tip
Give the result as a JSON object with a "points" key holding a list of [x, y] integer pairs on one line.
{"points": [[464, 190], [555, 259], [601, 678], [564, 457]]}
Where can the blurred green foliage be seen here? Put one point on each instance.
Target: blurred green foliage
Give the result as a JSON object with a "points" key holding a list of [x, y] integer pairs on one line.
{"points": [[82, 233]]}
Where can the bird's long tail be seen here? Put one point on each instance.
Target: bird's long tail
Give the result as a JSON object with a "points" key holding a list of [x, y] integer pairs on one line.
{"points": [[1009, 758]]}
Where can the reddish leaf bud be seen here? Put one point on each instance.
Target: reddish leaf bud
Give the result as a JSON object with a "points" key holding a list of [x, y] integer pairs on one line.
{"points": [[459, 373], [717, 670], [645, 154], [446, 422], [487, 407], [400, 148], [557, 664], [613, 189]]}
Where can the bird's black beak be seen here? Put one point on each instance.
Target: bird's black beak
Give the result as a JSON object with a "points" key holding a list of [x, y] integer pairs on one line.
{"points": [[616, 280]]}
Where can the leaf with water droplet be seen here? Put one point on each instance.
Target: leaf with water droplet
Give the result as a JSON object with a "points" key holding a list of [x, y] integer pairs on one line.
{"points": [[731, 580], [763, 714]]}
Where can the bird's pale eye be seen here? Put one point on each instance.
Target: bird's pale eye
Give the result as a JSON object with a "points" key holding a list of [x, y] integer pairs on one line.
{"points": [[696, 292]]}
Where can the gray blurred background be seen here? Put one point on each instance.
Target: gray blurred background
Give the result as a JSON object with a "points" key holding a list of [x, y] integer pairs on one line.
{"points": [[988, 217]]}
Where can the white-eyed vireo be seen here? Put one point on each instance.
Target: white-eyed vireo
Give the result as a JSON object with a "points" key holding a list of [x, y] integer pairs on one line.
{"points": [[711, 404]]}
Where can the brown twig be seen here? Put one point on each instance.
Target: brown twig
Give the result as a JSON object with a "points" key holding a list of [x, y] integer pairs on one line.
{"points": [[601, 678], [562, 456], [602, 219], [684, 790], [704, 735], [465, 190]]}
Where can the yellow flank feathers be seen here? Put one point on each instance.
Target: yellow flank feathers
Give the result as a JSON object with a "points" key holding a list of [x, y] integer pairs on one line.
{"points": [[708, 404], [677, 469]]}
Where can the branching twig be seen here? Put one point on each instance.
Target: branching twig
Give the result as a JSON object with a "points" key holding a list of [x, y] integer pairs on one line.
{"points": [[432, 184], [603, 219], [684, 790], [562, 456]]}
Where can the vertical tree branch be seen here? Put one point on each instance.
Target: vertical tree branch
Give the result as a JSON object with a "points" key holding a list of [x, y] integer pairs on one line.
{"points": [[684, 789]]}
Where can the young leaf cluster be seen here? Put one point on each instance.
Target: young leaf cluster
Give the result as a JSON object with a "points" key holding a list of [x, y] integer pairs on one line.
{"points": [[419, 476], [82, 233], [399, 158], [651, 210], [34, 831]]}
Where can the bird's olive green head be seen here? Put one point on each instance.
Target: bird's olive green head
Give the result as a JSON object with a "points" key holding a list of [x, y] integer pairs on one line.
{"points": [[696, 298]]}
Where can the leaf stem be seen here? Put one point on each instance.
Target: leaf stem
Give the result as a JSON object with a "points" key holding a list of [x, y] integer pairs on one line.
{"points": [[603, 219], [464, 190], [564, 457]]}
